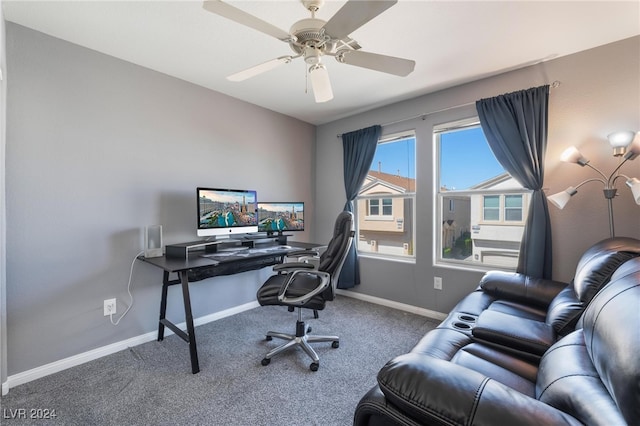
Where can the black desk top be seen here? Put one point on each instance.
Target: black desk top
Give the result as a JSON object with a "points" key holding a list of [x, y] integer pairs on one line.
{"points": [[200, 259]]}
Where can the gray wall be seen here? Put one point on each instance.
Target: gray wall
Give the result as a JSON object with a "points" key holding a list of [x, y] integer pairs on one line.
{"points": [[599, 93], [98, 148]]}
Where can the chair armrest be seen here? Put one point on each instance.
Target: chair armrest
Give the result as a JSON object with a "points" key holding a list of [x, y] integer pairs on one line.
{"points": [[325, 280], [306, 252], [434, 391], [292, 266], [521, 288]]}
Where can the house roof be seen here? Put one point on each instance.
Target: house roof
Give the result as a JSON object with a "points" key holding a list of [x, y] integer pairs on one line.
{"points": [[406, 183], [502, 181]]}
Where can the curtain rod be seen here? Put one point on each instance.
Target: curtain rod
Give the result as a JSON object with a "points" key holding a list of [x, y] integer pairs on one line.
{"points": [[553, 85]]}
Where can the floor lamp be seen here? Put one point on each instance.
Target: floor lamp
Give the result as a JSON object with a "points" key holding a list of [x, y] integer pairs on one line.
{"points": [[625, 144]]}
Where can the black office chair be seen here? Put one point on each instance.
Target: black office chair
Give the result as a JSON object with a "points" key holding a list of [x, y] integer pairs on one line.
{"points": [[302, 285]]}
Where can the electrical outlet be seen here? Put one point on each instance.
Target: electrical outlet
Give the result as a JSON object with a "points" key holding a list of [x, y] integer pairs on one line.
{"points": [[109, 307], [437, 283]]}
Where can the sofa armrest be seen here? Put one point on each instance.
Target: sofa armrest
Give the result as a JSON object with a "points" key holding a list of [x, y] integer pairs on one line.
{"points": [[433, 391], [521, 288], [513, 332]]}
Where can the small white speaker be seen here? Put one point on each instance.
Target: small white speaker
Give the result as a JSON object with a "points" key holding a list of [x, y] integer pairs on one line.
{"points": [[153, 241]]}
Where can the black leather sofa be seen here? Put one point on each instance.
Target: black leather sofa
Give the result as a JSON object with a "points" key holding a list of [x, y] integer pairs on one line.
{"points": [[524, 351]]}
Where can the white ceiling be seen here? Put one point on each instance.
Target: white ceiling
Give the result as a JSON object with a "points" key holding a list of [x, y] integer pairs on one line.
{"points": [[452, 42]]}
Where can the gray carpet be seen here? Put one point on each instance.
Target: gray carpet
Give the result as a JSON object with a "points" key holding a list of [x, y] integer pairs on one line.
{"points": [[151, 384]]}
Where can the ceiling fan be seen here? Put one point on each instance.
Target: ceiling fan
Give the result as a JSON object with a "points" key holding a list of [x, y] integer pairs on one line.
{"points": [[313, 38]]}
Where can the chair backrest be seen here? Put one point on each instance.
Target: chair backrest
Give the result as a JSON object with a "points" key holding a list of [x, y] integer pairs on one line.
{"points": [[333, 257]]}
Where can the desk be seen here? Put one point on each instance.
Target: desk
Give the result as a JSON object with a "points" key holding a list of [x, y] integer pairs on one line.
{"points": [[198, 267]]}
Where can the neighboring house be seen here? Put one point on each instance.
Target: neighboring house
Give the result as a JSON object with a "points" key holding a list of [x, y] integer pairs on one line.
{"points": [[484, 224], [499, 208], [384, 219]]}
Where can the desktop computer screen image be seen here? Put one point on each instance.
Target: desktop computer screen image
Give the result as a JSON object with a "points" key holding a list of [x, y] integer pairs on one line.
{"points": [[226, 211], [280, 217]]}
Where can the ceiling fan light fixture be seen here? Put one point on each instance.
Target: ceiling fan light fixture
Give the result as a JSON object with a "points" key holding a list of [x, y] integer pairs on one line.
{"points": [[320, 83]]}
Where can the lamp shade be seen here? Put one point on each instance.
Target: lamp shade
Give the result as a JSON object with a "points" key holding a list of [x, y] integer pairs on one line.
{"points": [[572, 155], [562, 198], [634, 184], [320, 83], [620, 140]]}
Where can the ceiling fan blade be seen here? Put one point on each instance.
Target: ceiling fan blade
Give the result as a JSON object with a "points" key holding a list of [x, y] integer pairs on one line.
{"points": [[353, 15], [377, 62], [259, 69], [241, 17], [320, 83]]}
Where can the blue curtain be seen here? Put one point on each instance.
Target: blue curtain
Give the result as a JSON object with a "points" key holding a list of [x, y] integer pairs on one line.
{"points": [[515, 125], [359, 148]]}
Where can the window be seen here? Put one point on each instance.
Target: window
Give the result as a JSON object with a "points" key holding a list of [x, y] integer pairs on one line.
{"points": [[486, 226], [387, 207], [513, 208], [491, 207], [374, 207], [385, 203]]}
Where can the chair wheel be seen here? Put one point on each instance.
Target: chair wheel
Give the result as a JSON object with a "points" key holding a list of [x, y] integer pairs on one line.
{"points": [[314, 366], [268, 338], [265, 361], [309, 329], [335, 344]]}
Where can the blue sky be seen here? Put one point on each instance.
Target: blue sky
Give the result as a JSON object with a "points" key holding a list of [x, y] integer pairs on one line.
{"points": [[466, 159], [465, 155]]}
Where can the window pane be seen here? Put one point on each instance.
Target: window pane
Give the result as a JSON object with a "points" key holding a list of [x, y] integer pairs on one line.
{"points": [[387, 207], [491, 201], [385, 203], [513, 201], [513, 215], [491, 214], [513, 208], [487, 224], [374, 207]]}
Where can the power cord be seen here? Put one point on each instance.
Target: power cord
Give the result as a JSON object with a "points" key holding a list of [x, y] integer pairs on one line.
{"points": [[133, 262]]}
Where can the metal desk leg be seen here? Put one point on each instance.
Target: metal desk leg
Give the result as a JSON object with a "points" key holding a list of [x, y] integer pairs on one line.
{"points": [[195, 366], [163, 305]]}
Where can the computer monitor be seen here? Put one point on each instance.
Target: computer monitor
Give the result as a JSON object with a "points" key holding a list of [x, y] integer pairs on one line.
{"points": [[280, 217], [224, 212]]}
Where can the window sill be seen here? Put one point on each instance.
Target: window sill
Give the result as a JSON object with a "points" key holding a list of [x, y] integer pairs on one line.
{"points": [[380, 218], [463, 266], [389, 257]]}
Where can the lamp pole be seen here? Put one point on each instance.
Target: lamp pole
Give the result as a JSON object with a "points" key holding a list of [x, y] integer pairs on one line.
{"points": [[609, 190]]}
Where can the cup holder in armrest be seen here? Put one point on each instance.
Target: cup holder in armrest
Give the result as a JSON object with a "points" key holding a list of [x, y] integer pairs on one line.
{"points": [[461, 325], [462, 321], [467, 318]]}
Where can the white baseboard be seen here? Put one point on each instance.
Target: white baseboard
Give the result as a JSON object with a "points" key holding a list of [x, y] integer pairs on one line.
{"points": [[395, 305], [72, 361]]}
